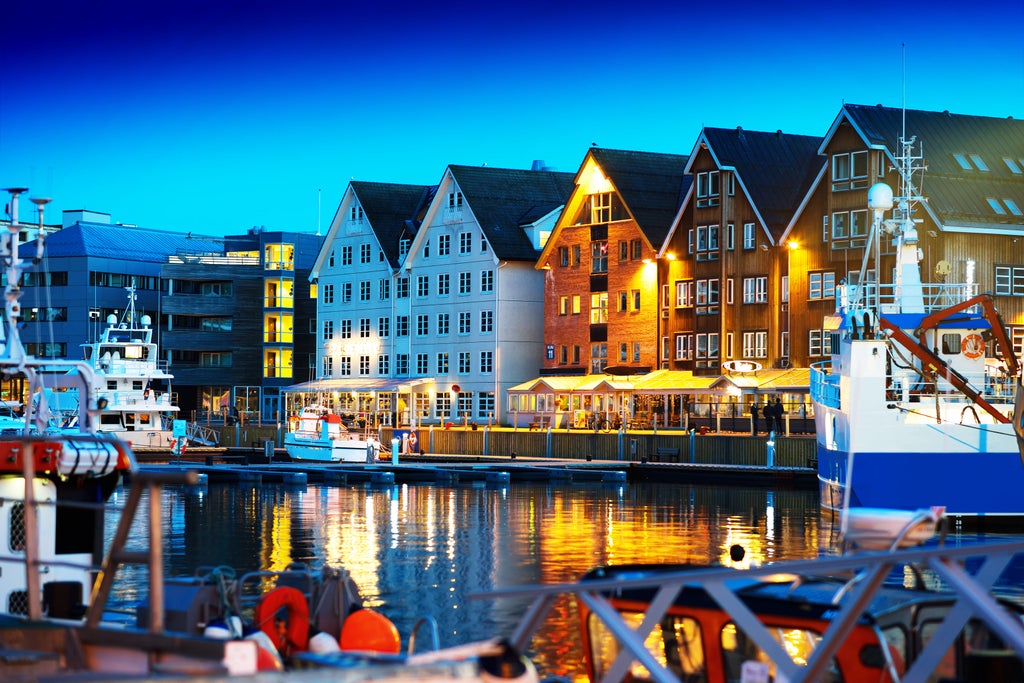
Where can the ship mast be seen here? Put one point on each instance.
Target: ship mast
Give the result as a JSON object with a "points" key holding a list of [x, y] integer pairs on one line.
{"points": [[907, 292]]}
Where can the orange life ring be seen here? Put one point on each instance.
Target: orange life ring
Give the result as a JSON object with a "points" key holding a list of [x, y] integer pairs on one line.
{"points": [[296, 635], [973, 346]]}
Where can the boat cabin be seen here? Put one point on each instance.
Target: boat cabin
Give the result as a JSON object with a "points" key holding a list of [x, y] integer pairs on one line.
{"points": [[699, 642]]}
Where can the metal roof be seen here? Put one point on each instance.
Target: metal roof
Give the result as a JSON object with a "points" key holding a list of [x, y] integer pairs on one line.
{"points": [[102, 240], [957, 196], [775, 169], [504, 200], [393, 211]]}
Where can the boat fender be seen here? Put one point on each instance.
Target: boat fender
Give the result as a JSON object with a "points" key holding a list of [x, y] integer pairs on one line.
{"points": [[323, 643], [296, 633], [368, 631], [507, 665], [972, 346], [267, 656]]}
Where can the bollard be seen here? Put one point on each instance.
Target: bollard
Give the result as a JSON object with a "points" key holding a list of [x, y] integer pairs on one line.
{"points": [[771, 449]]}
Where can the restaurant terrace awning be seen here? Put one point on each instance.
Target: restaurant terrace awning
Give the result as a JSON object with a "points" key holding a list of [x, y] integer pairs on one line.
{"points": [[666, 382], [349, 384]]}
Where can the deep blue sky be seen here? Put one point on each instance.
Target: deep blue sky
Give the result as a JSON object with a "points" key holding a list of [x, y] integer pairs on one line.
{"points": [[215, 117]]}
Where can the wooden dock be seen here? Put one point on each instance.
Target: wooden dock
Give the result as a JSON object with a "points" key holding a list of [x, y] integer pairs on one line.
{"points": [[478, 470]]}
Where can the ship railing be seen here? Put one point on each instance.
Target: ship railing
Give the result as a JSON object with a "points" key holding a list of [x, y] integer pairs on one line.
{"points": [[201, 434], [824, 385], [972, 593], [935, 296], [992, 385]]}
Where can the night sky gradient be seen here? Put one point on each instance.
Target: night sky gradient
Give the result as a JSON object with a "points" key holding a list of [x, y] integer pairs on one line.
{"points": [[214, 117]]}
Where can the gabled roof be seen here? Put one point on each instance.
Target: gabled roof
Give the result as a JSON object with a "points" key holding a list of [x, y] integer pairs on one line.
{"points": [[393, 210], [957, 197], [652, 186], [103, 240], [503, 200], [775, 170]]}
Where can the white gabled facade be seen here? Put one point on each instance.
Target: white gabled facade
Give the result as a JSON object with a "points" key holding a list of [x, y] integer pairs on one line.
{"points": [[355, 314], [476, 323]]}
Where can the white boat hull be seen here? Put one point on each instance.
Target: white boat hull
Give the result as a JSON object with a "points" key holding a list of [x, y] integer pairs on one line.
{"points": [[328, 450]]}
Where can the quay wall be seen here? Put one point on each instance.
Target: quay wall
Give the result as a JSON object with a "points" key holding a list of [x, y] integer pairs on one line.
{"points": [[631, 446]]}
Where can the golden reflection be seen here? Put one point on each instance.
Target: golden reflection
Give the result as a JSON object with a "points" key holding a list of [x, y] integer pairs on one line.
{"points": [[417, 550]]}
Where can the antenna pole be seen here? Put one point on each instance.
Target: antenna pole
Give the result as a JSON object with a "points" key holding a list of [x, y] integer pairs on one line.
{"points": [[903, 49]]}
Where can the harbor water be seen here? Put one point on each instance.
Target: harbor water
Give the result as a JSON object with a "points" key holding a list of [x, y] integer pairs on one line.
{"points": [[425, 550]]}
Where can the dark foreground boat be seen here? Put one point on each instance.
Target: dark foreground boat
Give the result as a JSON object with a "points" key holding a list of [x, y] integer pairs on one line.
{"points": [[899, 614]]}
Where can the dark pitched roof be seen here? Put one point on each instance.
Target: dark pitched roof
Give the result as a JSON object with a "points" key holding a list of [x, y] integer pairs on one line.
{"points": [[956, 196], [393, 210], [776, 169], [103, 240], [504, 199], [652, 186]]}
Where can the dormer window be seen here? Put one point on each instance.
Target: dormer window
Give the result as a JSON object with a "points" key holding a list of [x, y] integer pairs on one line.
{"points": [[1003, 207], [971, 162]]}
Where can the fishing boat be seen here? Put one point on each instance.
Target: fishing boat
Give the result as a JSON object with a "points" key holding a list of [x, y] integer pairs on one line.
{"points": [[319, 435], [134, 386], [909, 411], [56, 576]]}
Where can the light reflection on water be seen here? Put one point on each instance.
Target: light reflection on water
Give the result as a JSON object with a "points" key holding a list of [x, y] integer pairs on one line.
{"points": [[422, 550]]}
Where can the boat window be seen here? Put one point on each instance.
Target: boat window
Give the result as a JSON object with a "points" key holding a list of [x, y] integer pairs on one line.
{"points": [[799, 643], [675, 642], [976, 637], [951, 343]]}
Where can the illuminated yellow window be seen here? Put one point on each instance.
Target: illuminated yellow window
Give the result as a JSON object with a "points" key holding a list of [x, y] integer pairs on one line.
{"points": [[277, 363], [277, 328], [279, 257], [278, 292]]}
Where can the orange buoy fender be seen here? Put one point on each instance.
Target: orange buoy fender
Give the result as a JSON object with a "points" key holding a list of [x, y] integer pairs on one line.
{"points": [[367, 631], [973, 346], [296, 635]]}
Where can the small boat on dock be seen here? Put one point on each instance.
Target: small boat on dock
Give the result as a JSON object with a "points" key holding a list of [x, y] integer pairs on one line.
{"points": [[318, 435]]}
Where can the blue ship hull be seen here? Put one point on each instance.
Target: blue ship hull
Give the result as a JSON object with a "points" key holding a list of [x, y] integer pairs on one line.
{"points": [[974, 484]]}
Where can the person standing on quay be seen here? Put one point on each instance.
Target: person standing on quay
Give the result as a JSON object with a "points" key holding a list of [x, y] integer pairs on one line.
{"points": [[753, 417], [777, 412]]}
